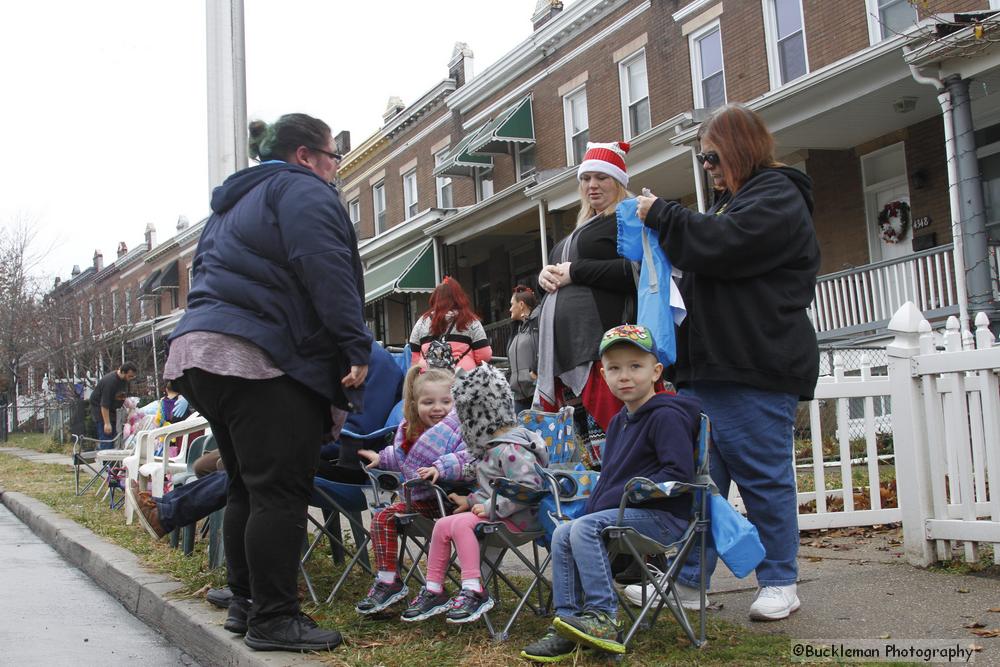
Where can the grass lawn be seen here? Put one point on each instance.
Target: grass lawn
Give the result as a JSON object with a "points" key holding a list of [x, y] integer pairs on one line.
{"points": [[385, 641]]}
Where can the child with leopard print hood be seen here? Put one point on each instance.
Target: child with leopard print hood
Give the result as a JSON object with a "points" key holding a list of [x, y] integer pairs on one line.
{"points": [[500, 448]]}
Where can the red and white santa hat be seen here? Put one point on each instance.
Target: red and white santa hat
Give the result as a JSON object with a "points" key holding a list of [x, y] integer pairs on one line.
{"points": [[606, 159]]}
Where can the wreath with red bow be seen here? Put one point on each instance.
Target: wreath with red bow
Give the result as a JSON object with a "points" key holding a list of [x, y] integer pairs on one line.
{"points": [[893, 221]]}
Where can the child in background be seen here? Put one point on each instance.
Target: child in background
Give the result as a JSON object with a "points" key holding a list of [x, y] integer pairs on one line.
{"points": [[428, 445], [653, 437], [501, 448]]}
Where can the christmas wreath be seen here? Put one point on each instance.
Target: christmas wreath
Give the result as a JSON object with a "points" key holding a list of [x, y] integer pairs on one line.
{"points": [[893, 221]]}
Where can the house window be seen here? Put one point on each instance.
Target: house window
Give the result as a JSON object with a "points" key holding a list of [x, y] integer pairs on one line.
{"points": [[635, 95], [128, 306], [90, 313], [354, 210], [484, 183], [114, 308], [525, 161], [786, 41], [887, 18], [444, 199], [577, 125], [409, 194], [708, 76], [378, 199]]}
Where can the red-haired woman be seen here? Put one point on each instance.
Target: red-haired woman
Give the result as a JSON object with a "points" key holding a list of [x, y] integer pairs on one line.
{"points": [[450, 319], [747, 349]]}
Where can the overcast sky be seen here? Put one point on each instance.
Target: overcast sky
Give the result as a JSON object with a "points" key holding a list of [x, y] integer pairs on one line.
{"points": [[103, 103]]}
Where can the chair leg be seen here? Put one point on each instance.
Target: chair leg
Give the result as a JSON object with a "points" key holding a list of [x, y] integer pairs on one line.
{"points": [[187, 538], [216, 550], [331, 518]]}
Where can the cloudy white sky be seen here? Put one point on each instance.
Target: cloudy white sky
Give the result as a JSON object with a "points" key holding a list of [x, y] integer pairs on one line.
{"points": [[103, 107]]}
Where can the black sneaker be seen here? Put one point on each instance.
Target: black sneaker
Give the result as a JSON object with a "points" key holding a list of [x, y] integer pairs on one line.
{"points": [[291, 633], [425, 605], [550, 648], [219, 597], [380, 596], [592, 628], [468, 606], [236, 620]]}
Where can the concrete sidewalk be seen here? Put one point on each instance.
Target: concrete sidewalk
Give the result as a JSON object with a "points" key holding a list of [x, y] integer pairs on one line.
{"points": [[37, 457]]}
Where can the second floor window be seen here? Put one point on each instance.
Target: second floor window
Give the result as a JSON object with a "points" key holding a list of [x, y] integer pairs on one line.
{"points": [[90, 317], [409, 194], [888, 18], [635, 95], [577, 125], [707, 68], [443, 183], [525, 161], [786, 43], [128, 306], [378, 202], [484, 183], [114, 308], [354, 210]]}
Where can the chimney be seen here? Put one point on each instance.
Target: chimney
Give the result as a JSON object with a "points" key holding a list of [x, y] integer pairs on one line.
{"points": [[122, 248], [76, 271], [98, 260], [393, 107], [544, 11], [58, 281], [150, 236], [460, 65], [182, 223], [342, 142]]}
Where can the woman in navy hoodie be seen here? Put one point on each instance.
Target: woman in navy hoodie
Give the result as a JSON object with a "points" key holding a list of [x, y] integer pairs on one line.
{"points": [[747, 349], [273, 335]]}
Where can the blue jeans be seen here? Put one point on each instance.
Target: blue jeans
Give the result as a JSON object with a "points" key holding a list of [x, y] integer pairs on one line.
{"points": [[581, 570], [752, 440], [193, 501]]}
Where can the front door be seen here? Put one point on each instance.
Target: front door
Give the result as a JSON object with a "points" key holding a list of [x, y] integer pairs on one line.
{"points": [[880, 198]]}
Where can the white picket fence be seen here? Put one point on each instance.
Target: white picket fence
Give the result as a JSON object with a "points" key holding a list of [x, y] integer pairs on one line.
{"points": [[945, 414]]}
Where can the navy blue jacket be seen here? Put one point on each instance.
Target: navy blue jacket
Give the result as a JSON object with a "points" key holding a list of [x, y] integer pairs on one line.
{"points": [[278, 265], [656, 442]]}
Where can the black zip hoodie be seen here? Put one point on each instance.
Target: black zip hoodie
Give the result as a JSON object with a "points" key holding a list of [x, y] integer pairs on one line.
{"points": [[750, 268]]}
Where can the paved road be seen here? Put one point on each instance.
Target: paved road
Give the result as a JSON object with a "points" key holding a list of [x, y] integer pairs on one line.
{"points": [[52, 614]]}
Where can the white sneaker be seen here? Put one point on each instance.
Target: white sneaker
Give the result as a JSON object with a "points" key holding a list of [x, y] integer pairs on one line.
{"points": [[774, 603], [690, 596]]}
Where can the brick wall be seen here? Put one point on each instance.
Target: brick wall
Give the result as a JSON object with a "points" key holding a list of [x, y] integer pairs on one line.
{"points": [[839, 213], [925, 159], [743, 50]]}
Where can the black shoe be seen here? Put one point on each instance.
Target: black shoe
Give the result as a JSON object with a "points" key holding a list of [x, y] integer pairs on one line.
{"points": [[236, 621], [380, 596], [425, 605], [550, 648], [468, 606], [291, 633], [219, 597]]}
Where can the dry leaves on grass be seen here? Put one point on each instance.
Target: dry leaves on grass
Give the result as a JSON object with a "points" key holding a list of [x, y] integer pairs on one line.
{"points": [[984, 632]]}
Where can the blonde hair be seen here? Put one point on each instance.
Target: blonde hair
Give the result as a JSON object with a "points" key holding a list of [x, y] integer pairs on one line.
{"points": [[416, 379], [587, 211]]}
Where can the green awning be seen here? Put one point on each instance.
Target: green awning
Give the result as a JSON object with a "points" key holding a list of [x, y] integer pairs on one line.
{"points": [[512, 125], [463, 162], [410, 271]]}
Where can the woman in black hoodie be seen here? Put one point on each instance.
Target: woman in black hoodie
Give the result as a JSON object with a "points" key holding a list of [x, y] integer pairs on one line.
{"points": [[747, 348]]}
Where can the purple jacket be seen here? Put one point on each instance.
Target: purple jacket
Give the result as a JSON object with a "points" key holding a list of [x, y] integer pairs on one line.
{"points": [[440, 446]]}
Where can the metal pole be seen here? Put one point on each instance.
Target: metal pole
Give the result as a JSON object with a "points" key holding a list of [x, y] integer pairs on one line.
{"points": [[437, 260], [156, 370], [541, 230], [699, 182], [227, 99]]}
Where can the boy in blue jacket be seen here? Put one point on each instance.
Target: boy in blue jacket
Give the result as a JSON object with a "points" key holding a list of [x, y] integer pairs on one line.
{"points": [[653, 437]]}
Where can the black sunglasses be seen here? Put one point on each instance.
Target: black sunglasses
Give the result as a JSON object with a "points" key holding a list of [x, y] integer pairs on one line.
{"points": [[711, 157], [333, 156]]}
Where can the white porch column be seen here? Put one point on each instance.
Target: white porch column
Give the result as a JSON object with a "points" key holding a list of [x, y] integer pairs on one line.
{"points": [[437, 260], [909, 434], [541, 229], [227, 96]]}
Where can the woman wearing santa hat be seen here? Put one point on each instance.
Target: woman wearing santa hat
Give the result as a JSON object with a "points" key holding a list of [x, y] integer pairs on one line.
{"points": [[590, 289]]}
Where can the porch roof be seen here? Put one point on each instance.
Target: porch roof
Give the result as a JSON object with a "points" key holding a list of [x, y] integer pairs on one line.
{"points": [[409, 271]]}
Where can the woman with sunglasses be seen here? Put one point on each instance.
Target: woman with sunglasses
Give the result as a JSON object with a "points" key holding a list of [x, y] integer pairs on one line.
{"points": [[747, 349]]}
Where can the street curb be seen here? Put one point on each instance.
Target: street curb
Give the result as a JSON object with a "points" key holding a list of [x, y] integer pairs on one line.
{"points": [[191, 625]]}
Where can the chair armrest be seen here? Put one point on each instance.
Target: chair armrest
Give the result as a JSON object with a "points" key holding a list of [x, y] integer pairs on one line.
{"points": [[515, 491], [440, 494], [641, 489]]}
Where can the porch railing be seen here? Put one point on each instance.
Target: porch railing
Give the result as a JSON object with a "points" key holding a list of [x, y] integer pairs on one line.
{"points": [[860, 300], [499, 335]]}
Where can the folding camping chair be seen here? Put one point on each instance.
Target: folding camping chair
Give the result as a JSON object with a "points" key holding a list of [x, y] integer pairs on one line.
{"points": [[416, 529], [669, 558], [86, 453]]}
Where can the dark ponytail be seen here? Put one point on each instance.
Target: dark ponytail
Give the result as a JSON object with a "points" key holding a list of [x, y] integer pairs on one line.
{"points": [[282, 138]]}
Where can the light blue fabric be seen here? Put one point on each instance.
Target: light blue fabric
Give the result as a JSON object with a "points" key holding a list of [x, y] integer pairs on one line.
{"points": [[637, 243]]}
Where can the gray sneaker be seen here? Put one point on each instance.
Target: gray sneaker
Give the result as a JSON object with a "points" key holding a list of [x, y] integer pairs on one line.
{"points": [[381, 596]]}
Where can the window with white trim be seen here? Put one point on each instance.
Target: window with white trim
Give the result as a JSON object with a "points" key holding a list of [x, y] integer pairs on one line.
{"points": [[577, 125], [378, 204], [786, 41], [90, 319], [635, 94], [525, 160], [707, 67], [128, 306], [443, 183], [484, 183], [354, 211], [409, 194], [114, 308], [888, 18]]}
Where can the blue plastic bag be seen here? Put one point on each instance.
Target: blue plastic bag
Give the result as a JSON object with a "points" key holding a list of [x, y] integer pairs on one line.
{"points": [[656, 312], [736, 539]]}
